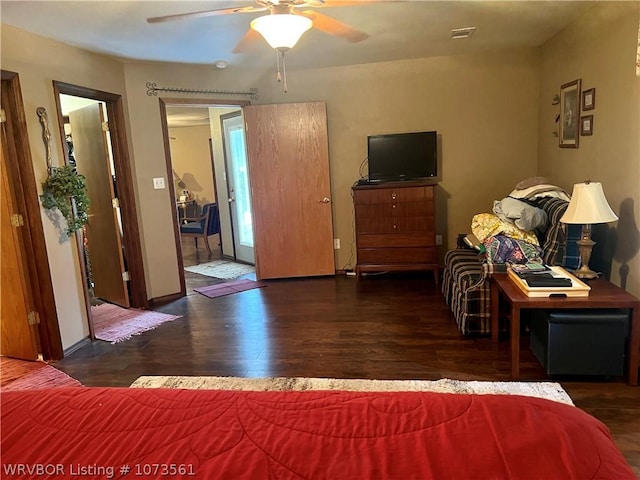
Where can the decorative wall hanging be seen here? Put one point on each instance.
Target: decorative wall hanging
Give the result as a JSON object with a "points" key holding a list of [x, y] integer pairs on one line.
{"points": [[586, 125], [569, 114], [589, 99], [153, 89], [63, 189], [46, 135]]}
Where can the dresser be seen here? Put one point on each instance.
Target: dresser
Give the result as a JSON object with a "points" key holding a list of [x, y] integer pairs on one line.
{"points": [[395, 227]]}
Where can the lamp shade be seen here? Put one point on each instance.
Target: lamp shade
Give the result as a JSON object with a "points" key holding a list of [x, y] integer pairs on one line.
{"points": [[282, 30], [588, 205]]}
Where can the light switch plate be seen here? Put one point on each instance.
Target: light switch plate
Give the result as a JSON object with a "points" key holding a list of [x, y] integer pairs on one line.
{"points": [[158, 183]]}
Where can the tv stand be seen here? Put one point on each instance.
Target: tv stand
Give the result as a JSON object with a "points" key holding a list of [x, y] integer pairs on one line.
{"points": [[395, 227]]}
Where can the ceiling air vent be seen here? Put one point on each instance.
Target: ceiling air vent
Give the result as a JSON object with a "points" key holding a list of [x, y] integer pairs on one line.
{"points": [[466, 32]]}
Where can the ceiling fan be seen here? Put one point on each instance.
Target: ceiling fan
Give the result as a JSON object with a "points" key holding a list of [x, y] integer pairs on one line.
{"points": [[285, 23]]}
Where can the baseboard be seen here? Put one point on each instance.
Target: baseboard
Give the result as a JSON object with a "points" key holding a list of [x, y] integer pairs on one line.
{"points": [[155, 302], [76, 346]]}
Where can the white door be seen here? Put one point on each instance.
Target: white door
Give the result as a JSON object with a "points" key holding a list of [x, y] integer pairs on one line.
{"points": [[238, 184]]}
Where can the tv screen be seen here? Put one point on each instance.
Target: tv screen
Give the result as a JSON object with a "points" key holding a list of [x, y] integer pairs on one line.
{"points": [[402, 156]]}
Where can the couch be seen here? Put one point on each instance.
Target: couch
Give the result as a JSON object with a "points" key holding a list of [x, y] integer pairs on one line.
{"points": [[467, 271]]}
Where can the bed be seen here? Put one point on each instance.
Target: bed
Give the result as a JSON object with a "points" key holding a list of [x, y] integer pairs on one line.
{"points": [[168, 433]]}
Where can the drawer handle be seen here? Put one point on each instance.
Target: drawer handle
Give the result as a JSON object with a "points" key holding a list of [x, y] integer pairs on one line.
{"points": [[394, 195], [395, 226]]}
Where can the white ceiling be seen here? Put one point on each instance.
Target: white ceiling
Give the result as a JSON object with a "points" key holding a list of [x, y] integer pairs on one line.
{"points": [[397, 30]]}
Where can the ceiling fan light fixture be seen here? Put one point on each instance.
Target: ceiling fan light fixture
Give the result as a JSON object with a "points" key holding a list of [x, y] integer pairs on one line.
{"points": [[283, 30]]}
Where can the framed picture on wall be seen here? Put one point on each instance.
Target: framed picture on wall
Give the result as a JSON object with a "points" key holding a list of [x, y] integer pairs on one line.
{"points": [[569, 133], [586, 125], [589, 99]]}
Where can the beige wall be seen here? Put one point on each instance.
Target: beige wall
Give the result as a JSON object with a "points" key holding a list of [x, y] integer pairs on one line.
{"points": [[600, 49], [484, 107], [191, 161], [39, 61]]}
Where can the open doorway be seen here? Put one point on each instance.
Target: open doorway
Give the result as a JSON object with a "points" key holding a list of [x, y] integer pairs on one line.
{"points": [[206, 156], [92, 132]]}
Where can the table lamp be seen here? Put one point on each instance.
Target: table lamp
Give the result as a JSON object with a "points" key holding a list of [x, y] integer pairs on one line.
{"points": [[588, 205]]}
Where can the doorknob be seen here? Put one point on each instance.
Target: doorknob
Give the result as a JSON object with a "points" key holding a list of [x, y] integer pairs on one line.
{"points": [[325, 200]]}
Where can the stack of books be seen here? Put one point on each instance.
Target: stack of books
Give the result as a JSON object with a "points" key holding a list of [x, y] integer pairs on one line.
{"points": [[537, 280], [540, 275]]}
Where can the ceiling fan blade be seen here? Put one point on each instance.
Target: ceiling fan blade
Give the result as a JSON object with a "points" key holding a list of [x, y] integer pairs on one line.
{"points": [[205, 13], [335, 27], [249, 38], [341, 3]]}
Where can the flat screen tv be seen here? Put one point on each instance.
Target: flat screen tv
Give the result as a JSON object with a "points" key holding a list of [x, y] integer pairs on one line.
{"points": [[402, 156]]}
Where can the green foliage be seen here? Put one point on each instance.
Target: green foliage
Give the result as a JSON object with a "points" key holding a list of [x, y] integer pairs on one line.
{"points": [[62, 186]]}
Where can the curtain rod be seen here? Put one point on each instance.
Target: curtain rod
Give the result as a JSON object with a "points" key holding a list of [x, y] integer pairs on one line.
{"points": [[153, 89]]}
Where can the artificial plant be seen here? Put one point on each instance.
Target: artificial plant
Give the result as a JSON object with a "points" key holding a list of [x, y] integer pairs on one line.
{"points": [[64, 186]]}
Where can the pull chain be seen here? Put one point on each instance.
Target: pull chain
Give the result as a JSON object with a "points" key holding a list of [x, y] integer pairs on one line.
{"points": [[281, 77], [278, 76], [284, 74]]}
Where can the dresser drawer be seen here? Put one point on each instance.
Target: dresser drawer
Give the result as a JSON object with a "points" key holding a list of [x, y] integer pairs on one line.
{"points": [[387, 195], [393, 225], [400, 255], [381, 240], [395, 209]]}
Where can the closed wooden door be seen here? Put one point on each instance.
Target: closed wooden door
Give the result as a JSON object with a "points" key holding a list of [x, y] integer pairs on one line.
{"points": [[288, 151], [18, 337], [103, 233]]}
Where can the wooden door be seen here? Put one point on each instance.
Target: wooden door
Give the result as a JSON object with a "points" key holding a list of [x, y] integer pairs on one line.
{"points": [[288, 151], [103, 232], [18, 337]]}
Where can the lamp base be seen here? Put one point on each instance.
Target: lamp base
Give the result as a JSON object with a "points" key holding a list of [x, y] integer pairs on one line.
{"points": [[585, 272], [585, 245]]}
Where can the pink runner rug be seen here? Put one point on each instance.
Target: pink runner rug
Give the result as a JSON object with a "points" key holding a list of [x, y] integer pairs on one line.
{"points": [[228, 288], [24, 375], [116, 324]]}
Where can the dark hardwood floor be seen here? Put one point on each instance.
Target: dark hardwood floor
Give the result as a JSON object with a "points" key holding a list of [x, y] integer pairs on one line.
{"points": [[384, 327]]}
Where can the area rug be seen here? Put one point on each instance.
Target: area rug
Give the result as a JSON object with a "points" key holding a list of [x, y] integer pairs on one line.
{"points": [[115, 324], [547, 390], [23, 375], [222, 269], [227, 288]]}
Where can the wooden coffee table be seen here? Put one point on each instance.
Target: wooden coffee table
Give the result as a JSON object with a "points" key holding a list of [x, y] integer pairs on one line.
{"points": [[603, 295]]}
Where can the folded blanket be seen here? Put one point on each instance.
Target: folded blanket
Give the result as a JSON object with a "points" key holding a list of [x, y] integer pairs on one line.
{"points": [[485, 225], [542, 190], [524, 216], [503, 249]]}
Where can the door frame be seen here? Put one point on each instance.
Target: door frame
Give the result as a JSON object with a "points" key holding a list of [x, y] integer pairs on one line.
{"points": [[124, 183], [180, 102], [20, 168]]}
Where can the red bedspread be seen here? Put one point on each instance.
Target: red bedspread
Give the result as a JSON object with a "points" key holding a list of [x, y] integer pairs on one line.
{"points": [[163, 433]]}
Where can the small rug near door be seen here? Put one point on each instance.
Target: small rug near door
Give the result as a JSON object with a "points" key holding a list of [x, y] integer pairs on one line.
{"points": [[24, 375], [548, 390], [227, 288], [116, 324], [222, 269]]}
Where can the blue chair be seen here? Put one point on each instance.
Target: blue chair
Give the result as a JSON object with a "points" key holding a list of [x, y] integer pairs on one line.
{"points": [[208, 224]]}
